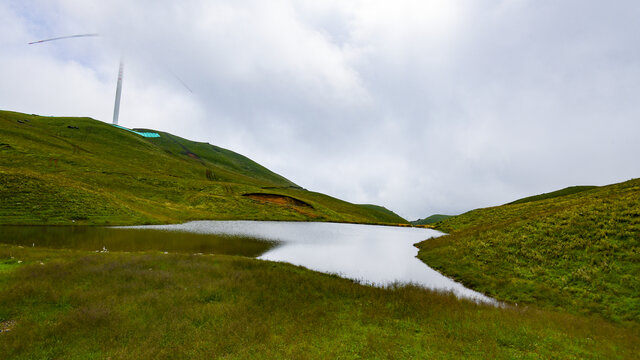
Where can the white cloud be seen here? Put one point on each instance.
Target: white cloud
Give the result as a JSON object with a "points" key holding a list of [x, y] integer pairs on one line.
{"points": [[421, 106]]}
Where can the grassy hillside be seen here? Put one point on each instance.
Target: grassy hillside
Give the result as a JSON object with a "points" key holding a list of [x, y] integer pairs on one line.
{"points": [[79, 170], [430, 220], [383, 213], [566, 191], [578, 252], [63, 304]]}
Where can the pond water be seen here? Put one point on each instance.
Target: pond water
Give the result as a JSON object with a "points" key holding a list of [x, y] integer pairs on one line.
{"points": [[378, 255], [93, 238]]}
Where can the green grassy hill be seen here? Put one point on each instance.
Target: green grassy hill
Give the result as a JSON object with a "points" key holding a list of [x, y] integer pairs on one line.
{"points": [[57, 170], [566, 191], [383, 213], [430, 220], [578, 252]]}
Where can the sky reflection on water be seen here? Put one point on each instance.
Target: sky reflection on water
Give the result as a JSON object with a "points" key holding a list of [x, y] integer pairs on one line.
{"points": [[379, 255]]}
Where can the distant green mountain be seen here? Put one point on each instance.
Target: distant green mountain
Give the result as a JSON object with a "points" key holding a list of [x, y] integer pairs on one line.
{"points": [[430, 220], [566, 191], [575, 249], [61, 170], [383, 212]]}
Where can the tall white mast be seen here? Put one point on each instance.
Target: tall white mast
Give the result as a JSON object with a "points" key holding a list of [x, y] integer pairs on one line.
{"points": [[116, 107]]}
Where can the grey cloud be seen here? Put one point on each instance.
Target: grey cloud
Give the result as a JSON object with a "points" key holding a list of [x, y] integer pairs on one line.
{"points": [[420, 106]]}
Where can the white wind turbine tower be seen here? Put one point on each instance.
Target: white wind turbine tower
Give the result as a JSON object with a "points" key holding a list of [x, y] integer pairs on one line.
{"points": [[116, 107]]}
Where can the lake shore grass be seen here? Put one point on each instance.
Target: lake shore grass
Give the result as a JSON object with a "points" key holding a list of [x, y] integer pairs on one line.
{"points": [[80, 305], [569, 251]]}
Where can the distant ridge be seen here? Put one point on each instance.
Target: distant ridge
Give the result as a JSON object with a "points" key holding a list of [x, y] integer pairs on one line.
{"points": [[431, 219]]}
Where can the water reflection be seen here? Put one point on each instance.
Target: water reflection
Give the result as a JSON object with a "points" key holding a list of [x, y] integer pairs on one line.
{"points": [[378, 255], [127, 239]]}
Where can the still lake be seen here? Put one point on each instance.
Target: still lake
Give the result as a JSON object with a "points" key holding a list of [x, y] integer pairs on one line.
{"points": [[370, 254]]}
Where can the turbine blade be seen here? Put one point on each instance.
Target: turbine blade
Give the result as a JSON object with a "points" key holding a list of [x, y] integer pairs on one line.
{"points": [[180, 80], [63, 37]]}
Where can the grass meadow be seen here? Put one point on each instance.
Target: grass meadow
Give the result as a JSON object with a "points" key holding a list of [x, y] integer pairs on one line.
{"points": [[80, 305]]}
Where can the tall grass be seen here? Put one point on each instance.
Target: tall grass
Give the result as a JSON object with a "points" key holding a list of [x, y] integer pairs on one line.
{"points": [[137, 306]]}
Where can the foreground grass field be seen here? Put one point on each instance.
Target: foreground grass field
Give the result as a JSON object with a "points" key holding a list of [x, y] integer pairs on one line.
{"points": [[80, 305], [573, 251], [82, 171]]}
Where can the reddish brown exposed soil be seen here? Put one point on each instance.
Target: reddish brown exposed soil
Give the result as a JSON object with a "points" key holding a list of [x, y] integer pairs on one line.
{"points": [[278, 199]]}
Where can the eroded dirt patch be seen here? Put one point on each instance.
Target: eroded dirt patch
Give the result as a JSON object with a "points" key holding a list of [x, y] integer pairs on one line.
{"points": [[278, 199]]}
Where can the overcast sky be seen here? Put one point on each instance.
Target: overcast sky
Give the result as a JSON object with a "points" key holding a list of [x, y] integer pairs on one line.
{"points": [[420, 106]]}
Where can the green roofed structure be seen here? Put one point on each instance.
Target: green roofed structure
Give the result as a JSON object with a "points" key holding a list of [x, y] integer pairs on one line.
{"points": [[141, 133]]}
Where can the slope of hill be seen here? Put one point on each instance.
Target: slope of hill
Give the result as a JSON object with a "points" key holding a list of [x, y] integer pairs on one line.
{"points": [[566, 191], [431, 219], [577, 252], [57, 170], [382, 212]]}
